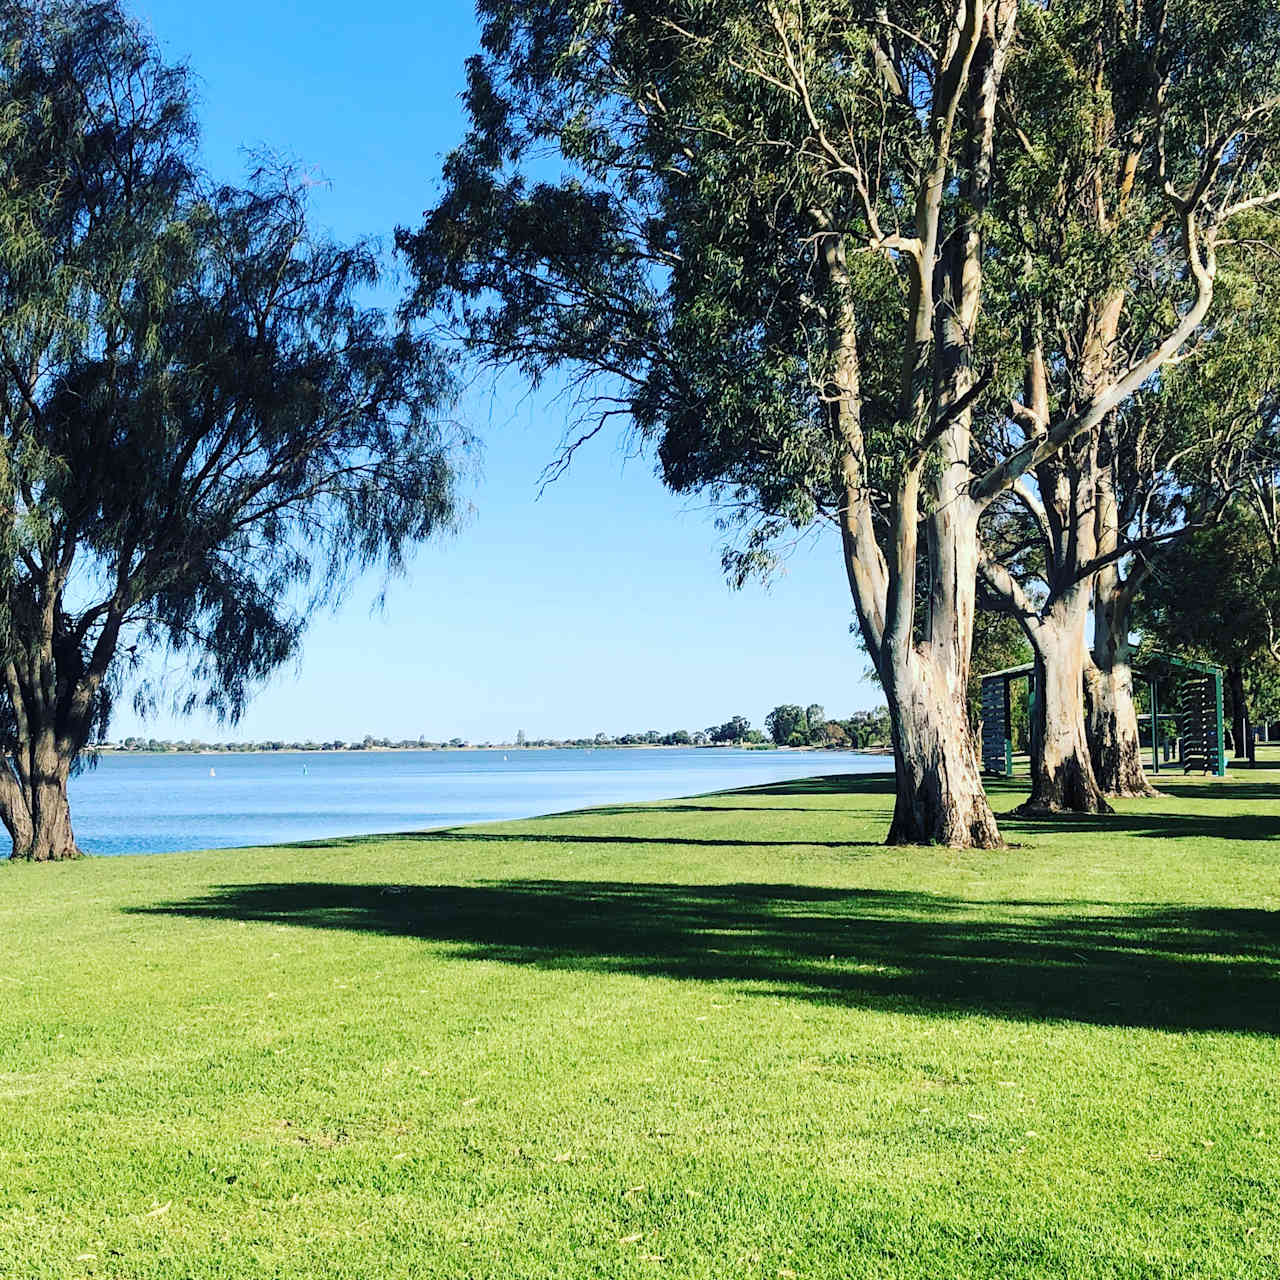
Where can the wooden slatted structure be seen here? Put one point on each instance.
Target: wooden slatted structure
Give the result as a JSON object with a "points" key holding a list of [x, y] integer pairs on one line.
{"points": [[1194, 688]]}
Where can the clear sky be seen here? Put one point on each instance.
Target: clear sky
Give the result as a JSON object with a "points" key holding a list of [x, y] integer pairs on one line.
{"points": [[600, 605]]}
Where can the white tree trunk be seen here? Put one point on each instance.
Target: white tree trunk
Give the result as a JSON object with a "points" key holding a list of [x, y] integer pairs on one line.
{"points": [[939, 796]]}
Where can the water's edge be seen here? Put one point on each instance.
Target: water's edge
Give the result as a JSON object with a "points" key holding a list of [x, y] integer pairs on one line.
{"points": [[161, 803]]}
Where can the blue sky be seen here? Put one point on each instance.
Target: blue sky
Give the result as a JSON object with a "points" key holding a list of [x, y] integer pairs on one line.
{"points": [[600, 605]]}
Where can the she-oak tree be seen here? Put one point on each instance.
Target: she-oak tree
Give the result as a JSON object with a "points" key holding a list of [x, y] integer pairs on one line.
{"points": [[201, 427], [769, 254]]}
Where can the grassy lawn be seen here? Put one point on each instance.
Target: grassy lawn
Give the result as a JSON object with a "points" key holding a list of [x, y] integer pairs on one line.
{"points": [[717, 1037]]}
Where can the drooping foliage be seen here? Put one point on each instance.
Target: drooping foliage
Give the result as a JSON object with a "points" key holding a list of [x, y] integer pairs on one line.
{"points": [[203, 428], [667, 256]]}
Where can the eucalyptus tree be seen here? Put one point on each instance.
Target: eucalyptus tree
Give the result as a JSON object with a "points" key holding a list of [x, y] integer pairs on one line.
{"points": [[1167, 464], [767, 254], [1159, 138], [202, 428], [786, 722], [1180, 458], [768, 251], [1170, 462]]}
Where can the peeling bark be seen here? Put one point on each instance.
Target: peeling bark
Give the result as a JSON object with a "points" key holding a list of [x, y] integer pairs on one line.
{"points": [[1062, 777], [1111, 720], [923, 664], [939, 798], [1111, 723]]}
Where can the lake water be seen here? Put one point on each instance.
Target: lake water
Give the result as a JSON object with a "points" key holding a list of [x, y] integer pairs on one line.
{"points": [[164, 803]]}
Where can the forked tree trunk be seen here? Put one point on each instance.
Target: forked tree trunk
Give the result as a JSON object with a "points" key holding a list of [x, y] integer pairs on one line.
{"points": [[924, 668], [1111, 719], [939, 797], [1062, 777], [53, 686], [36, 810]]}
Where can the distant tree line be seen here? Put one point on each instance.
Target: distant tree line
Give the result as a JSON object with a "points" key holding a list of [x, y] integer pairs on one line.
{"points": [[862, 729]]}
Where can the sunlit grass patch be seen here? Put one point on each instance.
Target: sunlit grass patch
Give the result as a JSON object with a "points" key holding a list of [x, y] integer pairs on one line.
{"points": [[726, 1035]]}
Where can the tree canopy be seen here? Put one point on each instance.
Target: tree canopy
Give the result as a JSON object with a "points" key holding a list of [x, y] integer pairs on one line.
{"points": [[1217, 594], [813, 252]]}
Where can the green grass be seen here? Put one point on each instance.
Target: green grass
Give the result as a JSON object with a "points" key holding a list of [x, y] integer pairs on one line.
{"points": [[718, 1037]]}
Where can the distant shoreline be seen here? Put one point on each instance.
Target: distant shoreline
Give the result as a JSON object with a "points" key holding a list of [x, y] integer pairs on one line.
{"points": [[108, 749]]}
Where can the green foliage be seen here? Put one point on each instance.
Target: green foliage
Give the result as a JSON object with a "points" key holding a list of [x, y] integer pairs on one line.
{"points": [[791, 725], [1216, 595], [869, 728], [203, 429], [735, 730], [1125, 123], [1206, 431], [672, 269], [816, 719], [786, 722], [998, 644]]}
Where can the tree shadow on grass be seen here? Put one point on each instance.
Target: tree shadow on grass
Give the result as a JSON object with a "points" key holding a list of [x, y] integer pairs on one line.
{"points": [[466, 835], [711, 806], [1267, 762], [1214, 789], [834, 784], [1152, 825], [1016, 828], [1176, 968]]}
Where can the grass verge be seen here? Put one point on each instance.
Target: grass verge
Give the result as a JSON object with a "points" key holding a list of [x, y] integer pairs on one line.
{"points": [[721, 1036]]}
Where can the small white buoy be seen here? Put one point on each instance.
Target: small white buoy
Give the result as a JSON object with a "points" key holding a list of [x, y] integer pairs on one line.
{"points": [[212, 774]]}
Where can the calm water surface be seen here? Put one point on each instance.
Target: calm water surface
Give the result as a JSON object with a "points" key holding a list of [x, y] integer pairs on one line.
{"points": [[163, 803]]}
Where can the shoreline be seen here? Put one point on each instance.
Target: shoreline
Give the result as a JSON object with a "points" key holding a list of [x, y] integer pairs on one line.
{"points": [[107, 749]]}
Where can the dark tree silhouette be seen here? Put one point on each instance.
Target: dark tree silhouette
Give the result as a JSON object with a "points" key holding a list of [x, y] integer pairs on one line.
{"points": [[202, 429]]}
